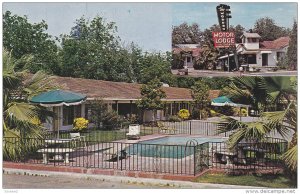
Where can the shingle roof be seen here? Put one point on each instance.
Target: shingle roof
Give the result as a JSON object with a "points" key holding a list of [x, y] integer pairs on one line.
{"points": [[115, 90], [275, 44], [251, 35], [194, 51]]}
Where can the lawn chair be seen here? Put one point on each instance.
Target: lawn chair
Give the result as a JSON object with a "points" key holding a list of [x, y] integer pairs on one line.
{"points": [[78, 139], [165, 129], [134, 132]]}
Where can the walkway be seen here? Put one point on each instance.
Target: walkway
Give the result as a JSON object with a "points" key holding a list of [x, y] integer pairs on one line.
{"points": [[18, 179]]}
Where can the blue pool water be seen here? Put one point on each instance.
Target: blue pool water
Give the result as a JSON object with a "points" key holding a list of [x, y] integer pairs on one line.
{"points": [[168, 147]]}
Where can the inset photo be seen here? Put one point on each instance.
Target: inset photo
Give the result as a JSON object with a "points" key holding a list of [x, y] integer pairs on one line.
{"points": [[234, 39]]}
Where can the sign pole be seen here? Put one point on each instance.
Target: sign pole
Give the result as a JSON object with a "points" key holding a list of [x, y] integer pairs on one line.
{"points": [[228, 62]]}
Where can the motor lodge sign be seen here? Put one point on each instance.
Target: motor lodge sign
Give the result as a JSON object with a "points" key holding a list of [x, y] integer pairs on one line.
{"points": [[223, 39]]}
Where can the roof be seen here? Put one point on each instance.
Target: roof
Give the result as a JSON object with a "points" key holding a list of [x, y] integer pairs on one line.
{"points": [[214, 94], [275, 44], [251, 35], [115, 90], [187, 45], [194, 51]]}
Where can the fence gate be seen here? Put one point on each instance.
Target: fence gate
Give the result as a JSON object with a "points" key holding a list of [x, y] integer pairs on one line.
{"points": [[201, 157]]}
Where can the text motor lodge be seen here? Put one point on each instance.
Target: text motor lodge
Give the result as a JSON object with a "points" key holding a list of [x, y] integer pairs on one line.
{"points": [[223, 39]]}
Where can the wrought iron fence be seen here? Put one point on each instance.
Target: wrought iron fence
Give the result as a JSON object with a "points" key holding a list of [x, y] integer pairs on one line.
{"points": [[191, 127], [170, 159], [189, 159]]}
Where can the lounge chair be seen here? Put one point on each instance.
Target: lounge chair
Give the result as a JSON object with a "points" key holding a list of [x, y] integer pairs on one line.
{"points": [[77, 138], [134, 132]]}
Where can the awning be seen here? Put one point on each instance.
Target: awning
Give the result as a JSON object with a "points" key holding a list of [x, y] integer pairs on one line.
{"points": [[249, 52], [265, 52], [225, 101], [226, 56], [58, 98]]}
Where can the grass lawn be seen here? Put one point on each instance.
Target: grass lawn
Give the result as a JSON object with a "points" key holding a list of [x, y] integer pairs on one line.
{"points": [[271, 181], [104, 136]]}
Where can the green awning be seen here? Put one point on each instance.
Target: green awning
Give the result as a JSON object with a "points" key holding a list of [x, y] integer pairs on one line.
{"points": [[225, 101], [58, 98]]}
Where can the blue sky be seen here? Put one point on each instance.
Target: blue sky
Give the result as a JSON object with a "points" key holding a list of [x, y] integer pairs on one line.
{"points": [[149, 24], [242, 13]]}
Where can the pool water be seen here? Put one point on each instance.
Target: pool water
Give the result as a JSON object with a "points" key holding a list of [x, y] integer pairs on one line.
{"points": [[169, 147]]}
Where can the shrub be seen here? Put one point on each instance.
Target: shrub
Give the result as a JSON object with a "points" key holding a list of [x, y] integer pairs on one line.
{"points": [[195, 113], [226, 110], [174, 118], [111, 120], [240, 112], [213, 113], [80, 124], [204, 114], [184, 114]]}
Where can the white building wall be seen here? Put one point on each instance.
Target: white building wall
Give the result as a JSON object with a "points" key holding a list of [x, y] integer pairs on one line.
{"points": [[258, 59], [251, 46], [272, 59]]}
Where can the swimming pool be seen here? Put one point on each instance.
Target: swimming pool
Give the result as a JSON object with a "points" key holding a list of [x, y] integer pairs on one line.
{"points": [[168, 147]]}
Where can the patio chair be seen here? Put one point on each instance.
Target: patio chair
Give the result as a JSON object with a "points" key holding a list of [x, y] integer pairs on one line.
{"points": [[77, 138], [134, 132], [165, 129]]}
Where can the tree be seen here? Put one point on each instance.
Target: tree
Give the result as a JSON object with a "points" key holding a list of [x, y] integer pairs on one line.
{"points": [[262, 93], [21, 119], [91, 50], [200, 94], [186, 34], [239, 30], [155, 65], [268, 30], [208, 58], [102, 117], [292, 49], [152, 94], [284, 122], [24, 39]]}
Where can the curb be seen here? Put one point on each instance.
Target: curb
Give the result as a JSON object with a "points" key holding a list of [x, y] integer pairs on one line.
{"points": [[124, 180]]}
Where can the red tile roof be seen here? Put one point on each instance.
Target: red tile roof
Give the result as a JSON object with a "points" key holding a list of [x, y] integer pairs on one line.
{"points": [[275, 44]]}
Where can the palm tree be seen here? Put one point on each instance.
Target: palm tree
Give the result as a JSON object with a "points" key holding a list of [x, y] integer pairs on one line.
{"points": [[261, 92], [283, 122], [21, 119]]}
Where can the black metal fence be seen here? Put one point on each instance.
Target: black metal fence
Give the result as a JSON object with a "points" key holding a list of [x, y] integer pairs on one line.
{"points": [[170, 159], [188, 159], [191, 127]]}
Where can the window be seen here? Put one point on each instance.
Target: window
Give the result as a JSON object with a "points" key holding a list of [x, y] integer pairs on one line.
{"points": [[280, 55], [188, 59], [254, 40], [87, 111], [69, 113]]}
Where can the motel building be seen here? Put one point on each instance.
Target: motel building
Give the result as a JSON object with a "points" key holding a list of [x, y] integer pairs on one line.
{"points": [[189, 53], [119, 96], [255, 55]]}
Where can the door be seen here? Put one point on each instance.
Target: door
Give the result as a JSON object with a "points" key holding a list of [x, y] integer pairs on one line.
{"points": [[264, 59]]}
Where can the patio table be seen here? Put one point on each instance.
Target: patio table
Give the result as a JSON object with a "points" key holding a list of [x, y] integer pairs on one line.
{"points": [[55, 146]]}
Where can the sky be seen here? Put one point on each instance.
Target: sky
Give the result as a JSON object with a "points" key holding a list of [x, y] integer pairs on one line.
{"points": [[242, 13], [149, 25]]}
